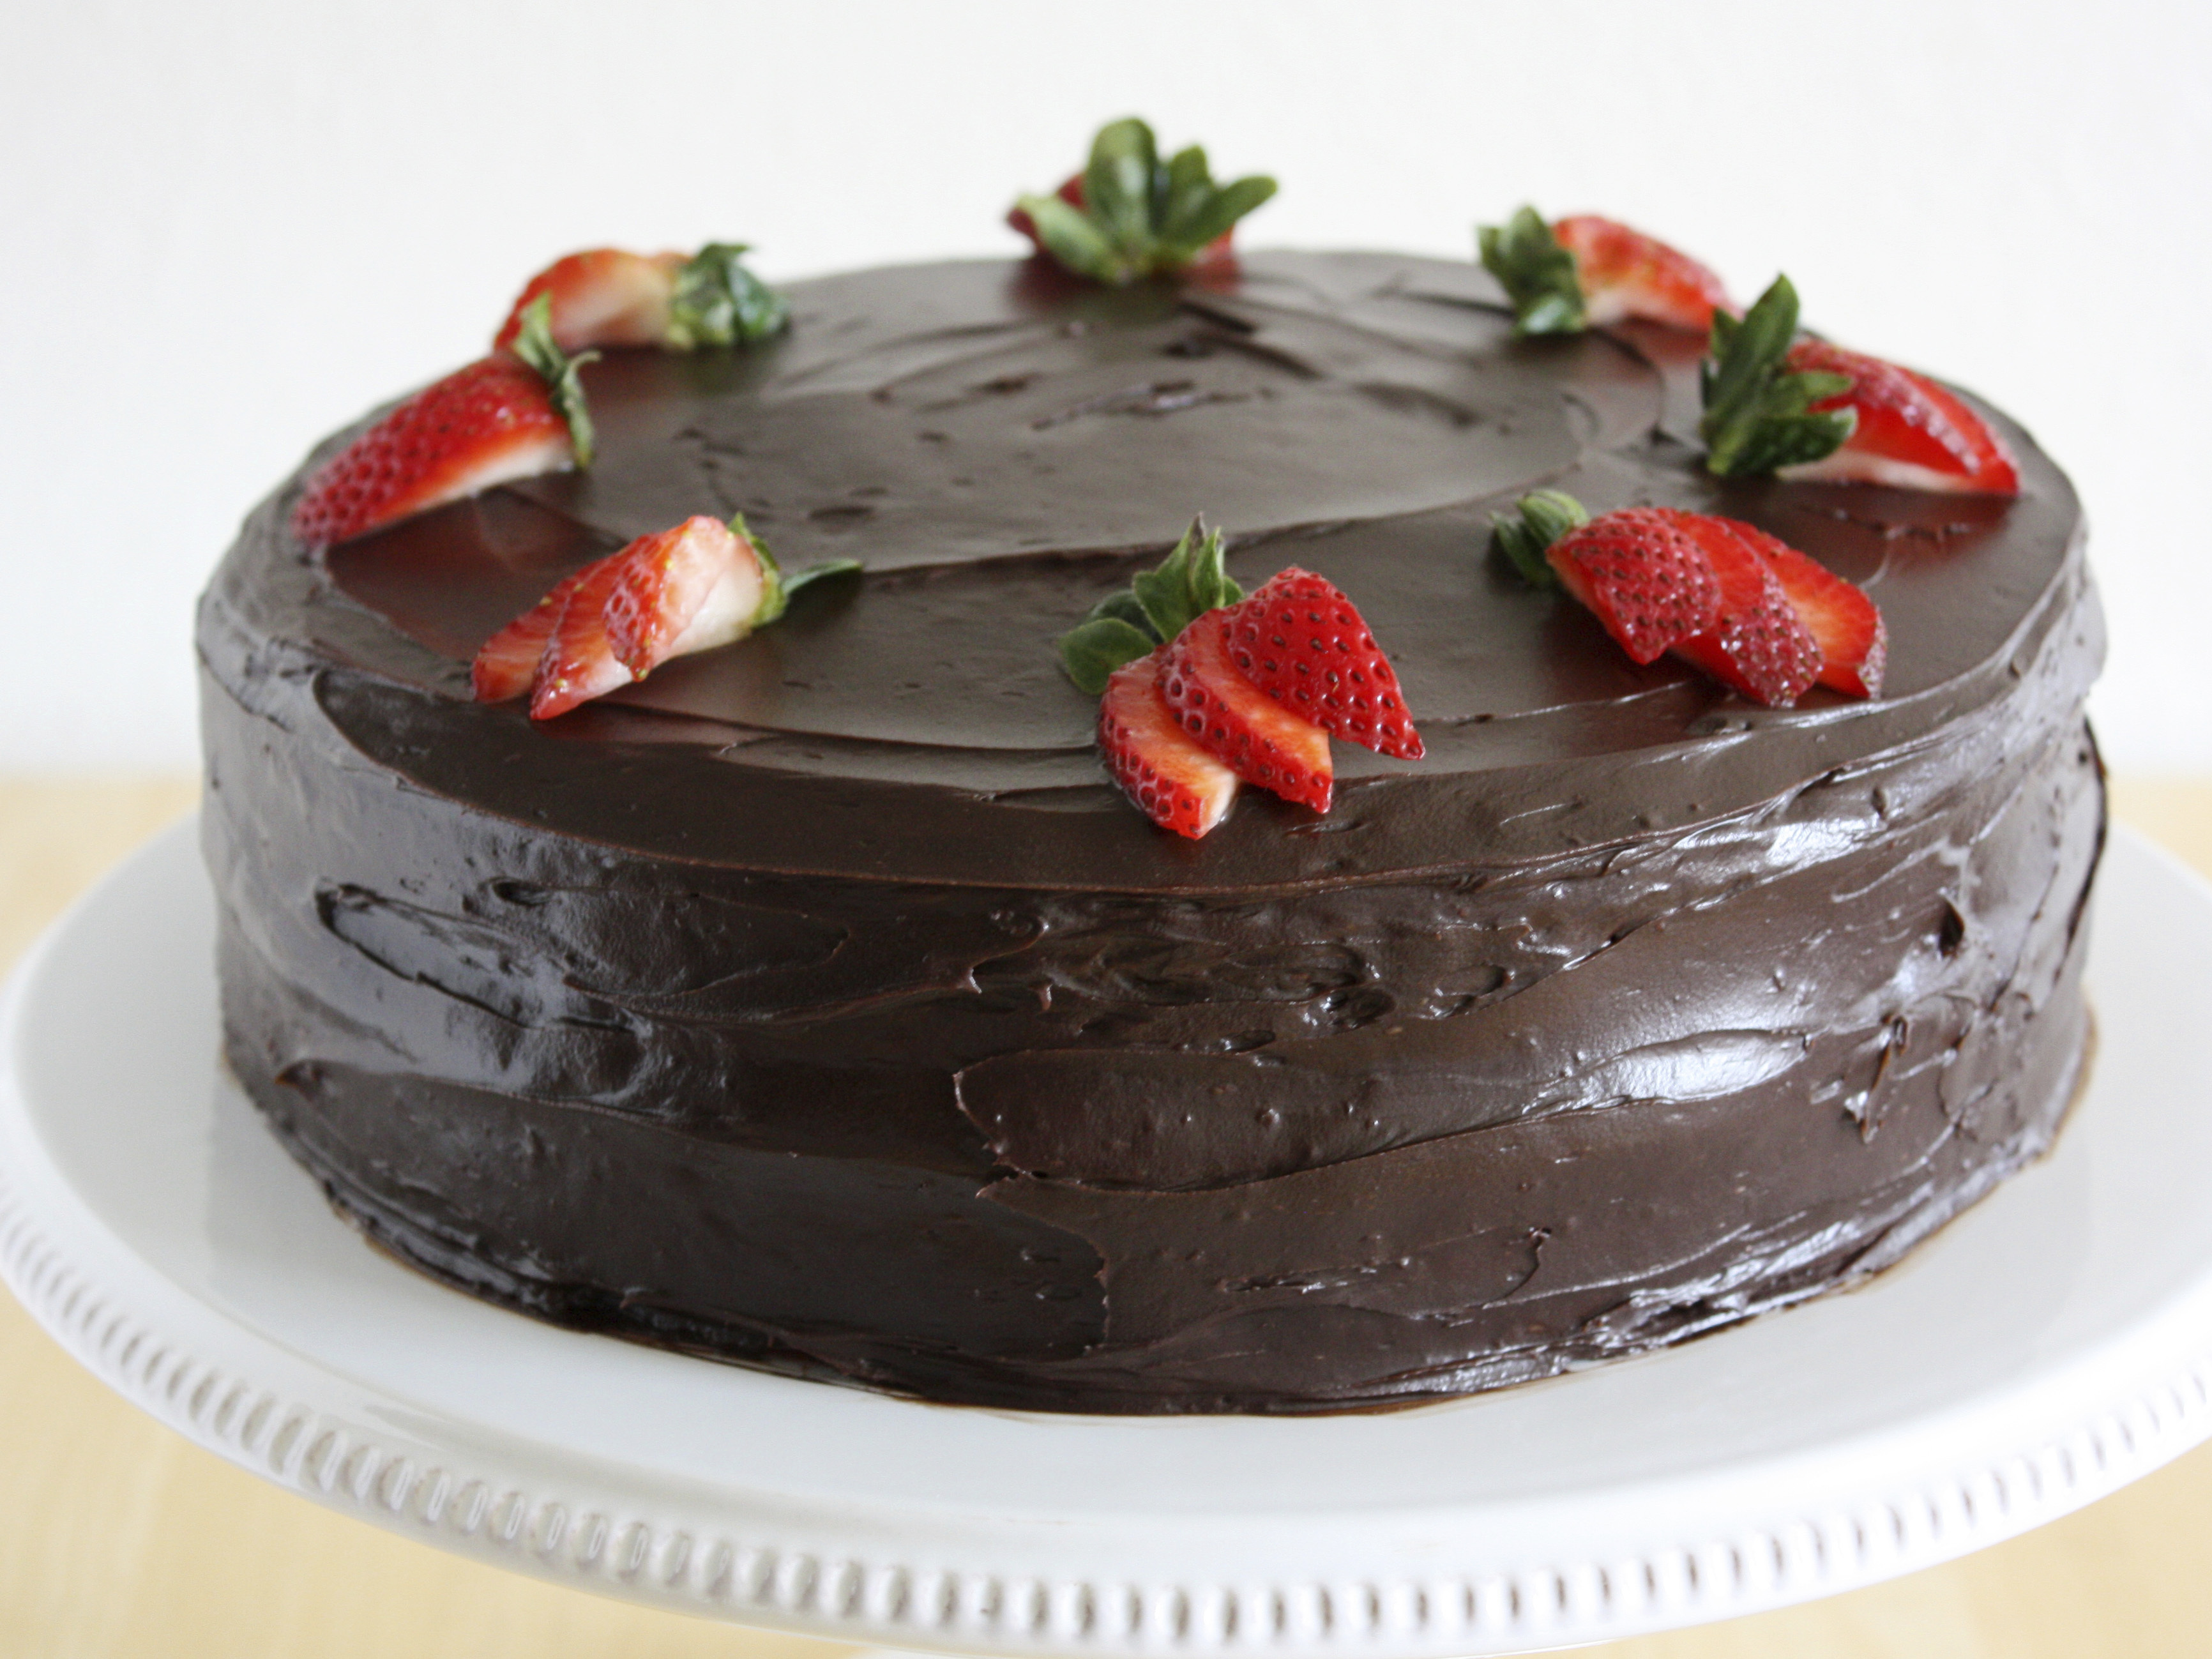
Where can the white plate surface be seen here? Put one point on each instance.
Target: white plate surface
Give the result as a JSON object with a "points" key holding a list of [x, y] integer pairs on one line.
{"points": [[2051, 1345]]}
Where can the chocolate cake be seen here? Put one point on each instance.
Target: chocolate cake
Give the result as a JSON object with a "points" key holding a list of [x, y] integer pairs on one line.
{"points": [[818, 1003]]}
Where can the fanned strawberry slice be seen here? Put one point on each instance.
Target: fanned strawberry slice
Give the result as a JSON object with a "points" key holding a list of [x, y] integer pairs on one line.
{"points": [[603, 296], [1910, 433], [1175, 782], [502, 417], [1760, 647], [1625, 273], [1854, 641], [1651, 583], [691, 588], [480, 426], [1258, 739], [1743, 605], [579, 662], [1305, 646], [506, 663]]}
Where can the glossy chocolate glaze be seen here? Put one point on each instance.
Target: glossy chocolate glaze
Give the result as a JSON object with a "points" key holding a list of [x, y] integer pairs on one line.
{"points": [[816, 1003]]}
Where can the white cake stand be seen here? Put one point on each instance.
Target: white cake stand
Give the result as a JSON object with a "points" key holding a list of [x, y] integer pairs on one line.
{"points": [[2053, 1344]]}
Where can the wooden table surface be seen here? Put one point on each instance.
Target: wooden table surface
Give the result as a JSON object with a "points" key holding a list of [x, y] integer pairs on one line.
{"points": [[119, 1538]]}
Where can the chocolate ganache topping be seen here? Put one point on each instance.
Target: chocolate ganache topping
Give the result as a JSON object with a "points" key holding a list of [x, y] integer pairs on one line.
{"points": [[817, 1003]]}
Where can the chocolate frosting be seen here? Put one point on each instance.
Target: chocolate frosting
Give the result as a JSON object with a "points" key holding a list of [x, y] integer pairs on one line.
{"points": [[816, 1003]]}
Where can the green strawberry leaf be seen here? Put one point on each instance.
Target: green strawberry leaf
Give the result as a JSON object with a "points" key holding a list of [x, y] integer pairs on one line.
{"points": [[776, 587], [1189, 582], [534, 344], [1092, 651], [1187, 190], [718, 302], [1759, 414], [1189, 236], [1117, 184], [1537, 274], [1072, 237], [1141, 216], [1156, 606], [1123, 607], [1524, 537]]}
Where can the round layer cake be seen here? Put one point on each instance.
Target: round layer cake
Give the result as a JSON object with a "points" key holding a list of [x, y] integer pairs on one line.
{"points": [[818, 1003]]}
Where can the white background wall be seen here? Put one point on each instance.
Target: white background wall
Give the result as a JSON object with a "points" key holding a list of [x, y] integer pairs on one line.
{"points": [[230, 227]]}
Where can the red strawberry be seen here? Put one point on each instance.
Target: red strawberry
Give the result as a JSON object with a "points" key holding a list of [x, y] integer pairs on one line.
{"points": [[1760, 647], [506, 663], [691, 588], [1912, 432], [1746, 607], [1215, 253], [579, 662], [1176, 784], [1625, 273], [1262, 741], [603, 296], [1649, 582], [478, 427], [1305, 645], [1853, 641]]}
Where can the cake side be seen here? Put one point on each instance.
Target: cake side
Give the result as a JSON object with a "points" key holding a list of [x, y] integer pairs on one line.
{"points": [[1639, 1011]]}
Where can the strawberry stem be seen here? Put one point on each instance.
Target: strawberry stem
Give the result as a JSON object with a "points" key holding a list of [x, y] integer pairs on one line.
{"points": [[535, 346], [1141, 216], [1525, 536], [1156, 606], [1537, 274], [1758, 415], [718, 302], [777, 589]]}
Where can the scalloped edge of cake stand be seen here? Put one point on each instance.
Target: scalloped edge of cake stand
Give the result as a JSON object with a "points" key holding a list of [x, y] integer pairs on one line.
{"points": [[2084, 1424]]}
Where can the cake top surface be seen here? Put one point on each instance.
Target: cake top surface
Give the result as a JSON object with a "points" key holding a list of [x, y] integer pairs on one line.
{"points": [[1001, 446]]}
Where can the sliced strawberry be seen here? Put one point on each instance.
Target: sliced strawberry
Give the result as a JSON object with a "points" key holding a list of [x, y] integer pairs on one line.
{"points": [[1650, 582], [1744, 606], [579, 662], [1625, 273], [1853, 640], [506, 663], [1760, 647], [605, 296], [1912, 432], [480, 426], [691, 588], [1259, 740], [1305, 645], [1175, 782], [1660, 580]]}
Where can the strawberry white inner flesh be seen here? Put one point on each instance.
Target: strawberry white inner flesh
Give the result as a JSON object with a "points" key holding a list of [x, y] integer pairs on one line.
{"points": [[525, 454], [626, 303], [1849, 466], [731, 597], [1604, 306]]}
